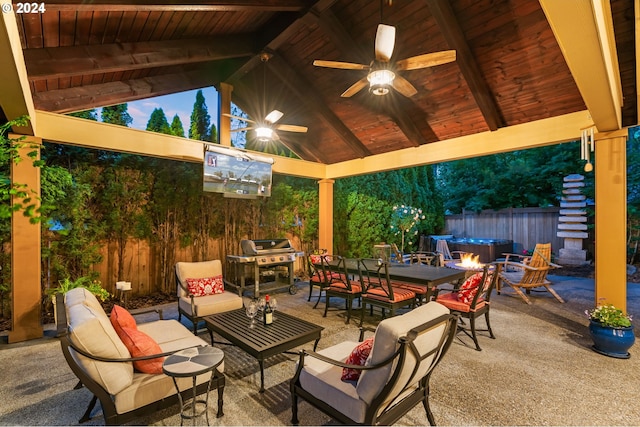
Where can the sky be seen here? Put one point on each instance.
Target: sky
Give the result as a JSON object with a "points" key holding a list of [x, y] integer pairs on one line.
{"points": [[177, 103]]}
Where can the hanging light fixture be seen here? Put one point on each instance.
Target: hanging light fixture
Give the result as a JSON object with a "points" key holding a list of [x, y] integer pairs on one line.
{"points": [[264, 133], [380, 80]]}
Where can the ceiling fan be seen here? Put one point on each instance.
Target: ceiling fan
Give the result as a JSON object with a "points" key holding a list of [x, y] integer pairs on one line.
{"points": [[266, 130], [382, 73]]}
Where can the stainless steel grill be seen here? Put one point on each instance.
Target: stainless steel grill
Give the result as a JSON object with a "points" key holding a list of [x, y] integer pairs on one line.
{"points": [[264, 255]]}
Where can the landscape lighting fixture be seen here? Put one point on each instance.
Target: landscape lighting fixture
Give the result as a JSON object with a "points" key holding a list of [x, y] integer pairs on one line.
{"points": [[379, 81]]}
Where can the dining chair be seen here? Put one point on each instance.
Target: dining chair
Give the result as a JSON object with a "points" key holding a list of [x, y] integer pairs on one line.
{"points": [[378, 289], [317, 276], [472, 300], [340, 284]]}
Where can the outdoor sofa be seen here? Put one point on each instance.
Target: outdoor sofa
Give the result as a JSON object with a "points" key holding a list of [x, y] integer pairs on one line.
{"points": [[99, 358]]}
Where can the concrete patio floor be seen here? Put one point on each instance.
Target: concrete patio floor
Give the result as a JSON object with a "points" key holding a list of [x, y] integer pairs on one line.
{"points": [[540, 370]]}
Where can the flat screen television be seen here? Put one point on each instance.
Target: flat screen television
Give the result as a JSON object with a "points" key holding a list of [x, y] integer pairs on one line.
{"points": [[236, 173]]}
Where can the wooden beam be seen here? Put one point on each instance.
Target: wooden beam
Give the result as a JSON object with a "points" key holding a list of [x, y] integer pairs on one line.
{"points": [[104, 136], [15, 94], [275, 33], [450, 28], [590, 55], [534, 134], [304, 90], [171, 5], [69, 61], [100, 95]]}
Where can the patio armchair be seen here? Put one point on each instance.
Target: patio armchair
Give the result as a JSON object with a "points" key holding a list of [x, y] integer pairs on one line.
{"points": [[529, 275], [379, 380], [340, 284], [425, 258], [319, 277], [442, 249], [201, 292], [119, 360], [379, 291], [472, 300]]}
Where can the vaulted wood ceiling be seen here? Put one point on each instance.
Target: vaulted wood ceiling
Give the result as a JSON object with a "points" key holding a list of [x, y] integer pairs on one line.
{"points": [[509, 68]]}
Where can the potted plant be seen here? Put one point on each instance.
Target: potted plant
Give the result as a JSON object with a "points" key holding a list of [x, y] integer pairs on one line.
{"points": [[611, 331]]}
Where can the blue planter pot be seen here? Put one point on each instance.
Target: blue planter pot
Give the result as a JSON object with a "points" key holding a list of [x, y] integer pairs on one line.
{"points": [[613, 342]]}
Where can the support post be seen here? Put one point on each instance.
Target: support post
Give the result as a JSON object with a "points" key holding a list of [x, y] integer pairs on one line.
{"points": [[611, 218], [225, 108], [325, 214], [26, 286]]}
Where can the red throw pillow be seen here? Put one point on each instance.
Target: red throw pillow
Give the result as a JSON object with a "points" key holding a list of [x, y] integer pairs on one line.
{"points": [[357, 357], [469, 288], [140, 344], [315, 259], [121, 318], [205, 286]]}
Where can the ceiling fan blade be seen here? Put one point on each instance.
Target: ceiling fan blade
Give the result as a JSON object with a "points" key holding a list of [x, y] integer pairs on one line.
{"points": [[274, 116], [241, 129], [385, 42], [426, 60], [292, 128], [403, 86], [356, 87], [340, 65], [238, 118]]}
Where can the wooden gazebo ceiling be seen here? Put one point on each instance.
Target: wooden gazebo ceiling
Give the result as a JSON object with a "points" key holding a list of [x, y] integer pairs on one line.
{"points": [[509, 68]]}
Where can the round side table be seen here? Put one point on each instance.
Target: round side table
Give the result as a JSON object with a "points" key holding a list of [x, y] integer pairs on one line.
{"points": [[191, 363]]}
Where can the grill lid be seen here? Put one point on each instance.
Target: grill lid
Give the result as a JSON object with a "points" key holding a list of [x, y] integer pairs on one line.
{"points": [[267, 246]]}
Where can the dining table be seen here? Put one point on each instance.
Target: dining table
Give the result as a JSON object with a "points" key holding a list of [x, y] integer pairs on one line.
{"points": [[410, 273]]}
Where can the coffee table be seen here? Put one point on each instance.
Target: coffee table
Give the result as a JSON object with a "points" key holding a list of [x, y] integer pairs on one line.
{"points": [[286, 332]]}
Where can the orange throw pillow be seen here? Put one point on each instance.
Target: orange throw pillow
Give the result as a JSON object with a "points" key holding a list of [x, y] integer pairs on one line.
{"points": [[121, 318], [140, 344]]}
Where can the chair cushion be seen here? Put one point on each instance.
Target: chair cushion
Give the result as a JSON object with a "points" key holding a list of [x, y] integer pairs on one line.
{"points": [[140, 344], [341, 287], [415, 288], [399, 294], [211, 304], [358, 357], [385, 344], [450, 300], [322, 380], [205, 285], [469, 288], [121, 318]]}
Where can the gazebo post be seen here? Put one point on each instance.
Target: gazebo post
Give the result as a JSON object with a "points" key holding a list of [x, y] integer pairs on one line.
{"points": [[25, 251]]}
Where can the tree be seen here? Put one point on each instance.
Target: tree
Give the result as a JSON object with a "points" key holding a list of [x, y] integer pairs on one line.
{"points": [[86, 114], [176, 127], [158, 122], [117, 115], [200, 120]]}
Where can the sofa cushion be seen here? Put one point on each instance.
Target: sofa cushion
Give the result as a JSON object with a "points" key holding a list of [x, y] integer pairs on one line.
{"points": [[205, 285], [91, 331], [211, 304], [385, 344], [121, 318], [322, 379], [81, 296], [140, 344], [358, 357], [196, 270]]}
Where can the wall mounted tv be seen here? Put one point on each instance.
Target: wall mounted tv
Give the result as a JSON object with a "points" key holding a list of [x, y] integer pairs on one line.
{"points": [[236, 173]]}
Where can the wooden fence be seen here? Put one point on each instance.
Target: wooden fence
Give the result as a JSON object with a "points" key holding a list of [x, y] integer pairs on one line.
{"points": [[525, 226]]}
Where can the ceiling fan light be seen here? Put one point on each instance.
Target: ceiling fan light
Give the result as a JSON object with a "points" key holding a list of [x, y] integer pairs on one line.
{"points": [[379, 81], [264, 133]]}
